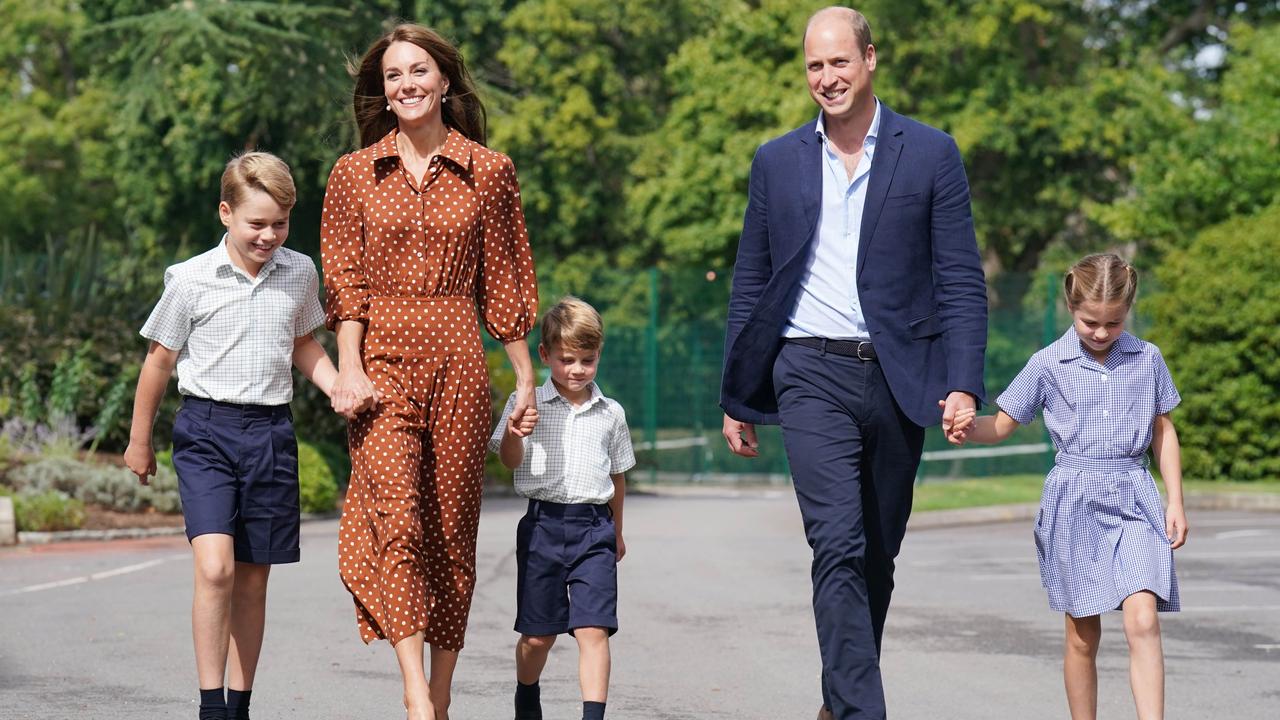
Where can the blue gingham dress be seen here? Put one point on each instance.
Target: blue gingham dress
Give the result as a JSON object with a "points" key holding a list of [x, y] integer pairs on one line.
{"points": [[1100, 532]]}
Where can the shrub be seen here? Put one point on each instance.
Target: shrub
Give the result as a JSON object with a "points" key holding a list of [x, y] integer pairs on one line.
{"points": [[46, 511], [1217, 319], [114, 488], [317, 487]]}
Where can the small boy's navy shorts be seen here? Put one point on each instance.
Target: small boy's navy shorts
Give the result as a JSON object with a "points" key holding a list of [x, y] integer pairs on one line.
{"points": [[566, 569], [238, 475]]}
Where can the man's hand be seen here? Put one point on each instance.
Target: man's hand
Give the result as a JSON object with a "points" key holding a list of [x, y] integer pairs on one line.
{"points": [[961, 424], [956, 401], [141, 460], [741, 437]]}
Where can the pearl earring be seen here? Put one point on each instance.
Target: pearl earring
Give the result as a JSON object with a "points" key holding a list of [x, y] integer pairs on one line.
{"points": [[444, 98], [388, 106]]}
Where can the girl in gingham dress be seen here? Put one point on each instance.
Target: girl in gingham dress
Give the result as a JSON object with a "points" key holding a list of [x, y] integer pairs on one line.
{"points": [[1103, 539]]}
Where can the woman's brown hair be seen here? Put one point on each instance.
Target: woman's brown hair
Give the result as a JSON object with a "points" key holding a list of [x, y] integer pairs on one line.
{"points": [[1102, 278], [463, 112]]}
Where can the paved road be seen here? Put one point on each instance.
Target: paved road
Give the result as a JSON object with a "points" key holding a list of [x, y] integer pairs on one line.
{"points": [[716, 624]]}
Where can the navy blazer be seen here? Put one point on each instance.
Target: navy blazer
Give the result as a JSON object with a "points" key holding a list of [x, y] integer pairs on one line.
{"points": [[919, 276]]}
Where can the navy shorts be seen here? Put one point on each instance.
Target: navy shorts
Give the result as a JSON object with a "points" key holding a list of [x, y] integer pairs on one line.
{"points": [[238, 475], [566, 569]]}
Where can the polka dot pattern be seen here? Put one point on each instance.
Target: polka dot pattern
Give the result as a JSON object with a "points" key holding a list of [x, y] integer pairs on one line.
{"points": [[423, 268]]}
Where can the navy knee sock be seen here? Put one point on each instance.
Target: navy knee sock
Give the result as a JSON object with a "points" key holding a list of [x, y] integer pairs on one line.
{"points": [[238, 704], [213, 704], [592, 710], [528, 701]]}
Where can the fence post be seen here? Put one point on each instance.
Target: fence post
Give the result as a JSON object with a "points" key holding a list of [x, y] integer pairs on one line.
{"points": [[651, 376]]}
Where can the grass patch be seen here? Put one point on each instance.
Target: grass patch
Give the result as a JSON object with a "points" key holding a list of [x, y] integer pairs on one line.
{"points": [[951, 494]]}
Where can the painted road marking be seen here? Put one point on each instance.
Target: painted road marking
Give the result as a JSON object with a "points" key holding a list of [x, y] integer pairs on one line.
{"points": [[103, 575]]}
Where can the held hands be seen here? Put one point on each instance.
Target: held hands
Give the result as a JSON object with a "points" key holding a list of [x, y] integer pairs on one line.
{"points": [[1175, 524], [741, 437], [141, 461], [524, 416], [353, 393], [958, 414]]}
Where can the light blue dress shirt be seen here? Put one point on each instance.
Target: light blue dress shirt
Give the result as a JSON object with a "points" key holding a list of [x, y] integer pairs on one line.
{"points": [[828, 303]]}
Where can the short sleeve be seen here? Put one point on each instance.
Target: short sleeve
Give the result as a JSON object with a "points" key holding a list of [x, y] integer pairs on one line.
{"points": [[310, 313], [507, 288], [1025, 395], [1167, 397], [495, 440], [170, 321], [346, 285], [621, 455]]}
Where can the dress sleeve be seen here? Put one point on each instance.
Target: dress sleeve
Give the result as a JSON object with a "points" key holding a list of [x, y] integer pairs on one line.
{"points": [[1167, 397], [507, 288], [346, 286], [1025, 395]]}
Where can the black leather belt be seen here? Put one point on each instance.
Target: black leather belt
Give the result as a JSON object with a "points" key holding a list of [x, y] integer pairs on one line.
{"points": [[861, 349]]}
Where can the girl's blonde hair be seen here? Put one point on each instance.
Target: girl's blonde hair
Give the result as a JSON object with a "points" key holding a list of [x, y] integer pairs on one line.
{"points": [[572, 324], [258, 171], [1101, 278]]}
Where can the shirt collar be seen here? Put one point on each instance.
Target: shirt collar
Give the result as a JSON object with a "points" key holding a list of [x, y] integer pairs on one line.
{"points": [[456, 148], [872, 132], [1068, 347], [222, 258], [547, 392]]}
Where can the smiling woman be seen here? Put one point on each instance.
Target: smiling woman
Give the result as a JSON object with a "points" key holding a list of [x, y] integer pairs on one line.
{"points": [[423, 239]]}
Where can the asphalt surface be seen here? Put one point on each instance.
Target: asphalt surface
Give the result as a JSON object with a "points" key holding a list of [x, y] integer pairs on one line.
{"points": [[715, 621]]}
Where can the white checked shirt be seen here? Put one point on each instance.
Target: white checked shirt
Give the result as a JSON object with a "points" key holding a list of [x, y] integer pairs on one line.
{"points": [[234, 334], [572, 451]]}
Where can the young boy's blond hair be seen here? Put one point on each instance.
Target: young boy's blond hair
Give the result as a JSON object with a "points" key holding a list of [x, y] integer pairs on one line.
{"points": [[258, 171], [572, 324]]}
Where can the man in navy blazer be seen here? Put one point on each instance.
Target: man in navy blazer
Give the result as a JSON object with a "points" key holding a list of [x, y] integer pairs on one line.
{"points": [[858, 317]]}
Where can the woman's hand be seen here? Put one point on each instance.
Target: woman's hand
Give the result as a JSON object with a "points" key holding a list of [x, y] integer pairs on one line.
{"points": [[524, 416], [353, 393]]}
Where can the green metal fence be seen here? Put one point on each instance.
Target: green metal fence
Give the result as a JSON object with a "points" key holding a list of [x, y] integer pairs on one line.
{"points": [[662, 357]]}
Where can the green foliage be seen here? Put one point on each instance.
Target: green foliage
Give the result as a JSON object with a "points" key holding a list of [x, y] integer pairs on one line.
{"points": [[107, 486], [317, 486], [47, 511], [1218, 322]]}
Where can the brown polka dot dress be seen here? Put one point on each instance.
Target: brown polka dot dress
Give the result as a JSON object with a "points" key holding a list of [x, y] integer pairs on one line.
{"points": [[423, 267]]}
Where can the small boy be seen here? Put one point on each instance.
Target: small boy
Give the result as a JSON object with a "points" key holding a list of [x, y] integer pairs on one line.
{"points": [[232, 320], [570, 464]]}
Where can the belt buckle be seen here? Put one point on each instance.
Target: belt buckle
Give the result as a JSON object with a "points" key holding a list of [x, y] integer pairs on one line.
{"points": [[858, 353]]}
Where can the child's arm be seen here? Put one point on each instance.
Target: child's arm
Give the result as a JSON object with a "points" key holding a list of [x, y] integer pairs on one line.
{"points": [[140, 456], [615, 505], [511, 453], [1168, 454], [314, 363], [989, 429]]}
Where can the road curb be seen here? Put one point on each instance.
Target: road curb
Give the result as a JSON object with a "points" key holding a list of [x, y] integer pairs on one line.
{"points": [[44, 538]]}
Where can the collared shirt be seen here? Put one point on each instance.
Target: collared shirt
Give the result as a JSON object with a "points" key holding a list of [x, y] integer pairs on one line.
{"points": [[457, 232], [234, 334], [573, 450], [828, 303], [1094, 410]]}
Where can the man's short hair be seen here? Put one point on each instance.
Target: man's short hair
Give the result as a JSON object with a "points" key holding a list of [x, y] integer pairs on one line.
{"points": [[258, 171], [861, 28], [572, 324]]}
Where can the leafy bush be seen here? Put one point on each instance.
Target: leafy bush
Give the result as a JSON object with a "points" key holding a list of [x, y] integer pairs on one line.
{"points": [[47, 511], [1217, 320], [317, 487], [114, 488]]}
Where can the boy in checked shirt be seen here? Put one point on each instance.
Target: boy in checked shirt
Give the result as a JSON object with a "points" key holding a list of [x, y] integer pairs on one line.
{"points": [[569, 456], [233, 320]]}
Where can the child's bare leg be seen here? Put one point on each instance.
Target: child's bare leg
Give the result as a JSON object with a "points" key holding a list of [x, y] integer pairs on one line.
{"points": [[214, 561], [531, 657], [417, 694], [443, 663], [593, 663], [248, 616], [1080, 666], [1146, 654]]}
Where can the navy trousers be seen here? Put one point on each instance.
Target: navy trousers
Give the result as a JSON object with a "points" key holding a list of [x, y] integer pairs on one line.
{"points": [[853, 456]]}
